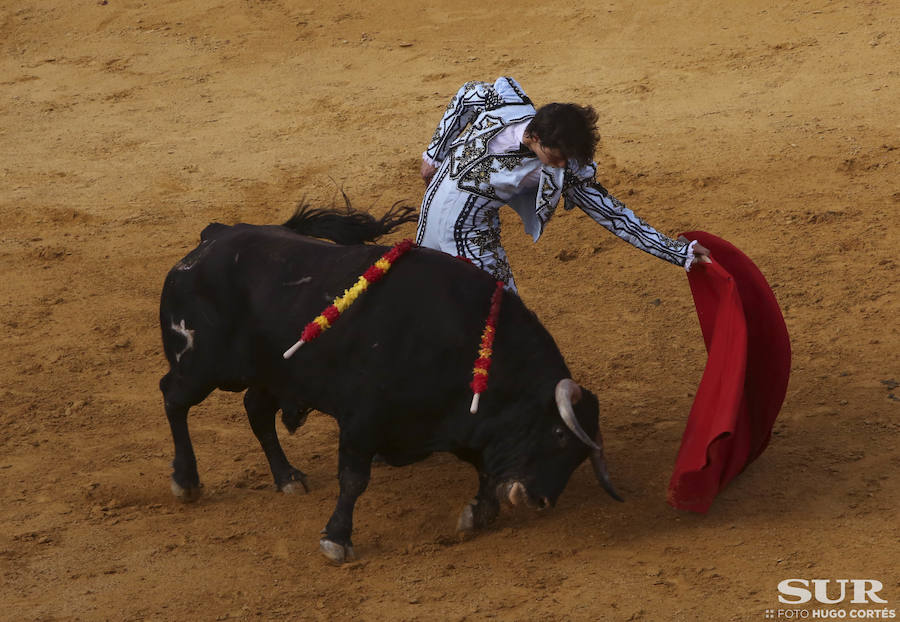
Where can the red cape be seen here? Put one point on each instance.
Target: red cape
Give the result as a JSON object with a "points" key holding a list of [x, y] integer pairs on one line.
{"points": [[745, 380]]}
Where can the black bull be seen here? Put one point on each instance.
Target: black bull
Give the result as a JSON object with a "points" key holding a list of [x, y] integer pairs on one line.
{"points": [[394, 370]]}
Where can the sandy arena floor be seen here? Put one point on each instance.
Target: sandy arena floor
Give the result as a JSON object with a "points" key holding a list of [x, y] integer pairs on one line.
{"points": [[127, 126]]}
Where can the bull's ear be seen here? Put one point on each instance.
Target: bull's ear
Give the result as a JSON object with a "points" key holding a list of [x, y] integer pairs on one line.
{"points": [[588, 412], [589, 401]]}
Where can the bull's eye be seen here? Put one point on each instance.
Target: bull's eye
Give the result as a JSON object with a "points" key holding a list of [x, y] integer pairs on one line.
{"points": [[560, 434]]}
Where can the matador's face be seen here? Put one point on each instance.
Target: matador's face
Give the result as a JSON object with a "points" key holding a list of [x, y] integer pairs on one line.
{"points": [[551, 156]]}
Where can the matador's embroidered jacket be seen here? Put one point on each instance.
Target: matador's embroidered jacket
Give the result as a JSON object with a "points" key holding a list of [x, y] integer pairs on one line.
{"points": [[459, 212]]}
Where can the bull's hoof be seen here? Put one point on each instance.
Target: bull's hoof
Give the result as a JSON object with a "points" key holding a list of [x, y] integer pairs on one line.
{"points": [[296, 485], [187, 495], [335, 552], [466, 521], [478, 514], [295, 488]]}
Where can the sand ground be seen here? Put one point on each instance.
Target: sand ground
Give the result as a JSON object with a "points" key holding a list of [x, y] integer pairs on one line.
{"points": [[127, 126]]}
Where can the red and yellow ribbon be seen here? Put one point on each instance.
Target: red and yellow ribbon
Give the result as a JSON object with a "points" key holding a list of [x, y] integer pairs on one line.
{"points": [[483, 362], [330, 315]]}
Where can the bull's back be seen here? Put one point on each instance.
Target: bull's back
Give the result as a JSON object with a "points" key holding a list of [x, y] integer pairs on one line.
{"points": [[231, 302], [248, 291]]}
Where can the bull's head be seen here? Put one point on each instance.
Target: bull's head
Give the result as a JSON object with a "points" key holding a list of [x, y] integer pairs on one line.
{"points": [[566, 434]]}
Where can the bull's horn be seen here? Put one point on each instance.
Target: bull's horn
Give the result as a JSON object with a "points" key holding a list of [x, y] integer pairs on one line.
{"points": [[599, 464], [568, 393]]}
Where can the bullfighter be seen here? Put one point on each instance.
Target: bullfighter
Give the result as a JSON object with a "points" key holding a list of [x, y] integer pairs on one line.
{"points": [[493, 148]]}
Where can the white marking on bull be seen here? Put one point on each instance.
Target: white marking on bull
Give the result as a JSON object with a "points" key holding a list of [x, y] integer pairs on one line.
{"points": [[194, 256], [305, 279], [188, 335]]}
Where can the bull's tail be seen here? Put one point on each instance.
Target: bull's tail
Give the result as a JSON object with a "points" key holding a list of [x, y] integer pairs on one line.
{"points": [[348, 226]]}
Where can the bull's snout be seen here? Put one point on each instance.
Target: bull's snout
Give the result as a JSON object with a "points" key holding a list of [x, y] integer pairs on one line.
{"points": [[515, 494]]}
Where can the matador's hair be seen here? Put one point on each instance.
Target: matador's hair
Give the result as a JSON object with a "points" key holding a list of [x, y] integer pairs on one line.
{"points": [[568, 127]]}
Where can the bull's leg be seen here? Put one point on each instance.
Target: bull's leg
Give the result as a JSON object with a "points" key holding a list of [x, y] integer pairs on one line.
{"points": [[261, 408], [178, 400], [353, 475], [482, 510]]}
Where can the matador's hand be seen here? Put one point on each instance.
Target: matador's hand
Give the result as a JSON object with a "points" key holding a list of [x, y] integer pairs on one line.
{"points": [[427, 171], [701, 253]]}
